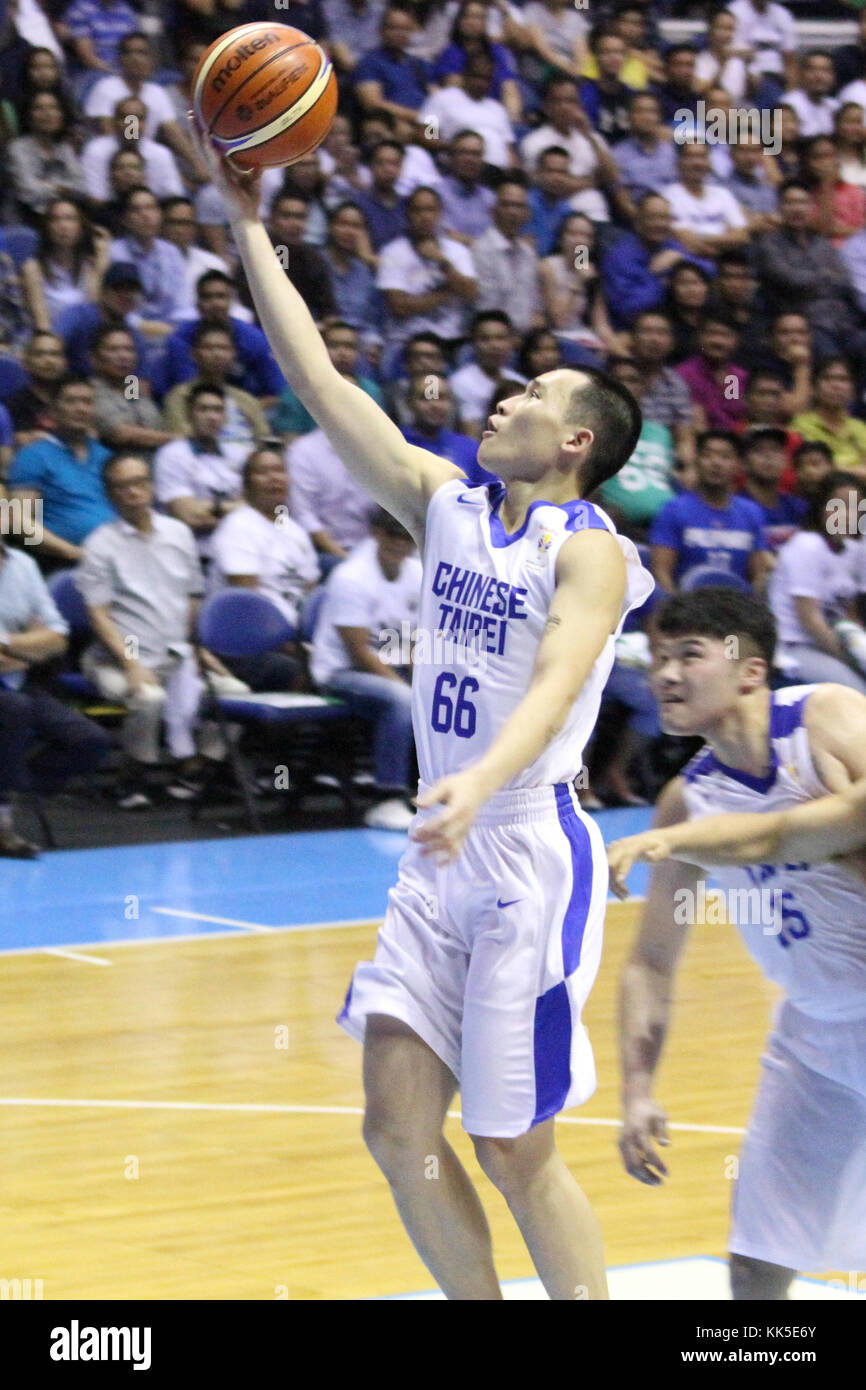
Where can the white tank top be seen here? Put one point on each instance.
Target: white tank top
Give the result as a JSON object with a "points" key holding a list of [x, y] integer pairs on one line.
{"points": [[484, 601], [807, 931]]}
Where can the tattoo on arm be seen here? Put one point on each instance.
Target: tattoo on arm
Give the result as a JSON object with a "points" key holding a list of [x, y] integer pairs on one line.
{"points": [[552, 622]]}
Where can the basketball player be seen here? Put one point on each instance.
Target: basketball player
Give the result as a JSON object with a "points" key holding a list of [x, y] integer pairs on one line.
{"points": [[492, 935], [771, 758]]}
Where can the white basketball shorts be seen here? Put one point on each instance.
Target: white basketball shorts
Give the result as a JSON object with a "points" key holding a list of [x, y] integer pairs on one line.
{"points": [[490, 959], [800, 1199]]}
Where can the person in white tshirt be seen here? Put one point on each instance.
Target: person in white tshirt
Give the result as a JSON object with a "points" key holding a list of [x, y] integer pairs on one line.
{"points": [[259, 546], [766, 36], [129, 121], [135, 58], [428, 279], [814, 105], [331, 507], [706, 219], [818, 575], [198, 480], [361, 653], [716, 65], [472, 107], [474, 383]]}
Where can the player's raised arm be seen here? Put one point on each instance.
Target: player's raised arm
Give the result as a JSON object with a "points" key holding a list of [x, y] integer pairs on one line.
{"points": [[400, 476], [585, 610], [644, 1001]]}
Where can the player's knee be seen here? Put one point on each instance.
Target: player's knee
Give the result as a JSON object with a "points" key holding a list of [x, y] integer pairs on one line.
{"points": [[510, 1164], [757, 1281], [395, 1142]]}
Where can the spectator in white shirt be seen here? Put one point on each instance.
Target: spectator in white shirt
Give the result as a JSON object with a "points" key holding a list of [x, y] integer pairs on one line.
{"points": [[717, 65], [766, 37], [129, 121], [706, 219], [567, 124], [812, 100], [428, 279], [135, 59], [258, 546], [370, 602], [473, 107], [327, 502], [506, 263], [474, 384], [198, 480]]}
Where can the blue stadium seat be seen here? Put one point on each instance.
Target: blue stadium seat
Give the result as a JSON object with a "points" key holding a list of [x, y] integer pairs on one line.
{"points": [[12, 377], [71, 606], [238, 622]]}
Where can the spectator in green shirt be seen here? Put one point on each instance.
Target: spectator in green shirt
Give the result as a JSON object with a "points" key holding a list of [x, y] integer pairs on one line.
{"points": [[830, 420]]}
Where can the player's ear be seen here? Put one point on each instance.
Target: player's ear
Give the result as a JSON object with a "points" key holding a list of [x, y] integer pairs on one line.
{"points": [[578, 445], [753, 674]]}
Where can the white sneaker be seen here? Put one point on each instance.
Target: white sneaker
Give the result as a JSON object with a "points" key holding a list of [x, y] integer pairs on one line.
{"points": [[390, 815]]}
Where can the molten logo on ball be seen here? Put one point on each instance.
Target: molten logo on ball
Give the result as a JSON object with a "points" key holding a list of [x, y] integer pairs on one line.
{"points": [[240, 56]]}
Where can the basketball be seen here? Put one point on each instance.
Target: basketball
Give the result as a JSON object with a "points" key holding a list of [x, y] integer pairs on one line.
{"points": [[265, 95]]}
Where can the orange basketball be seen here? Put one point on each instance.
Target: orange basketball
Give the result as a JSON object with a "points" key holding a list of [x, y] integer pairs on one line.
{"points": [[265, 94]]}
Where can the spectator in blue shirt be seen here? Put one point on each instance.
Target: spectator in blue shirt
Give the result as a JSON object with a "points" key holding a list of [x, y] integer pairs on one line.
{"points": [[383, 208], [709, 525], [96, 28], [64, 473], [159, 263], [765, 459], [388, 79], [352, 265], [117, 307], [677, 92], [549, 203], [645, 159], [430, 404], [255, 369], [634, 271]]}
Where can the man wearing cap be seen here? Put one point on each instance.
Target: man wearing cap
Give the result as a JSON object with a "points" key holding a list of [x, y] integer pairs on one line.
{"points": [[117, 306], [764, 459]]}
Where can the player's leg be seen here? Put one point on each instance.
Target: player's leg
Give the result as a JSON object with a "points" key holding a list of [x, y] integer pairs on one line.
{"points": [[408, 1090], [553, 1213], [757, 1281]]}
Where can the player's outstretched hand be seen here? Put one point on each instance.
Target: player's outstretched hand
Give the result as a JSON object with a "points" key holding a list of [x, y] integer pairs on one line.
{"points": [[241, 191], [645, 1123], [650, 847], [445, 834]]}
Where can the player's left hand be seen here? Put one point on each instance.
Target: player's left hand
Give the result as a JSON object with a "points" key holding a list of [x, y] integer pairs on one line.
{"points": [[445, 834]]}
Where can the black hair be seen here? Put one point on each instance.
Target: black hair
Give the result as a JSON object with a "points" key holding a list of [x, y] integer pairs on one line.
{"points": [[105, 331], [813, 446], [121, 457], [27, 112], [85, 248], [71, 379], [202, 388], [423, 188], [608, 408], [726, 436], [490, 316], [718, 612], [380, 520], [558, 150], [211, 275], [788, 184], [342, 324], [529, 344], [206, 326], [816, 516]]}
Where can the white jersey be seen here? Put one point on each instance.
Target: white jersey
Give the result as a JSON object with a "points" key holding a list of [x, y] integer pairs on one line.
{"points": [[812, 941], [485, 599]]}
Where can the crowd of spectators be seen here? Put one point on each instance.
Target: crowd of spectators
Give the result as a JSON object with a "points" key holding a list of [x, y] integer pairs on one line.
{"points": [[506, 188]]}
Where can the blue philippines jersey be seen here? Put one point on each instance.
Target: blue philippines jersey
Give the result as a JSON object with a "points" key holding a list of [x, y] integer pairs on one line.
{"points": [[485, 599], [704, 535], [808, 931]]}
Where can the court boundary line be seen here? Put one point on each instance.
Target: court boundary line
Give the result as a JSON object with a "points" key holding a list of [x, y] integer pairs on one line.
{"points": [[74, 955], [233, 935], [275, 1108]]}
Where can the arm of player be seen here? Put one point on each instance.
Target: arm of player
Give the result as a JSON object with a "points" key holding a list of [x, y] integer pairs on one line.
{"points": [[645, 1000], [399, 476], [584, 611]]}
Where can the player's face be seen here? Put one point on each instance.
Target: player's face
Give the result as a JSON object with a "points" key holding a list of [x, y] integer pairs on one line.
{"points": [[526, 433], [695, 682]]}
